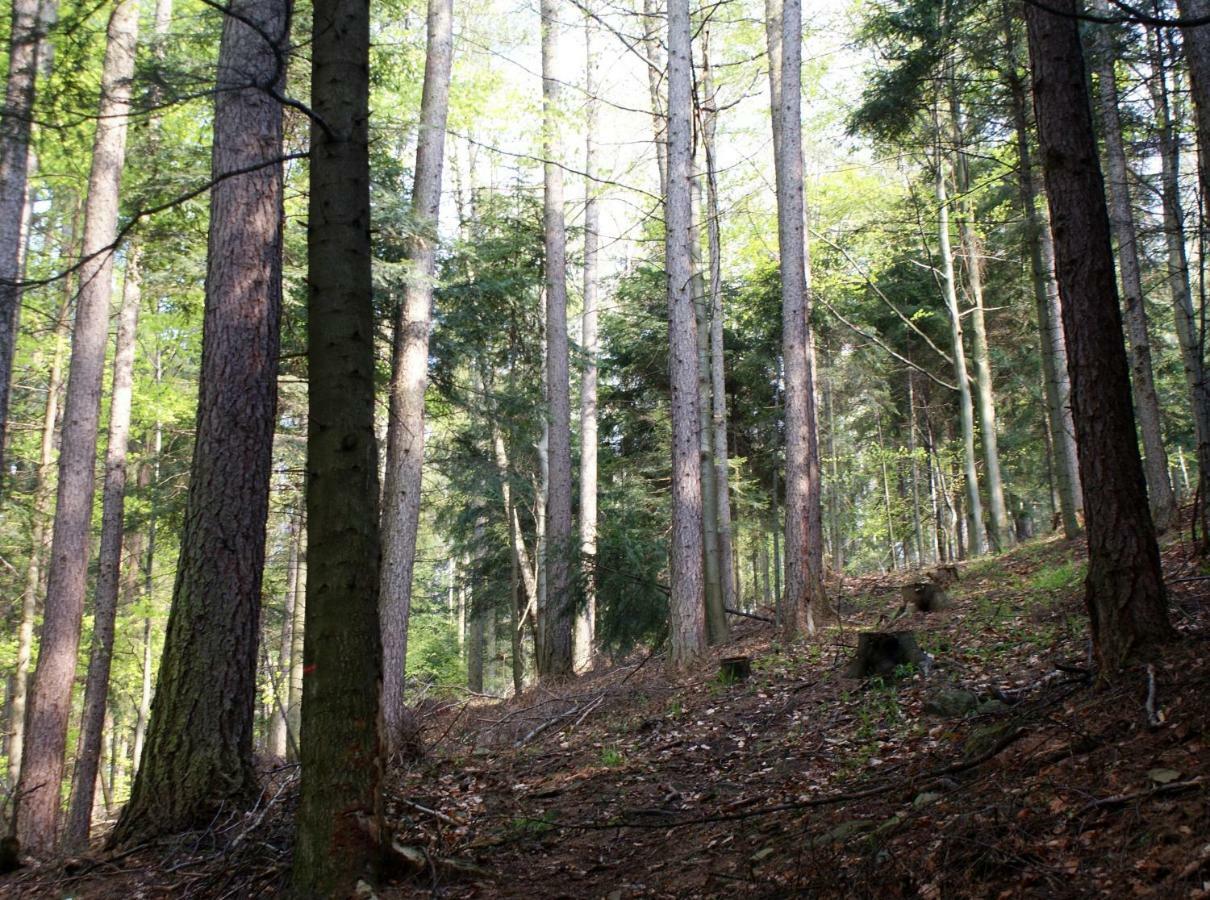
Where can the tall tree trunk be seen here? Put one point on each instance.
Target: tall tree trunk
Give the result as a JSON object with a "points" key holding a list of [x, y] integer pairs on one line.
{"points": [[1121, 214], [657, 68], [586, 621], [1124, 590], [965, 405], [557, 660], [717, 631], [917, 521], [198, 751], [1053, 352], [43, 495], [340, 804], [37, 798], [480, 609], [806, 603], [687, 626], [297, 649], [718, 380], [1188, 331], [1196, 42], [834, 489], [105, 606], [279, 726], [985, 395], [144, 711], [27, 45], [409, 375]]}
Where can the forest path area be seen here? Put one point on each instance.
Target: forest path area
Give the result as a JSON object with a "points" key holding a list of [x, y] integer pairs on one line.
{"points": [[1003, 772]]}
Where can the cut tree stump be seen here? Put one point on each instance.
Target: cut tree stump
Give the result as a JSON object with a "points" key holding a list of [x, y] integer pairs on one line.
{"points": [[882, 652], [734, 668]]}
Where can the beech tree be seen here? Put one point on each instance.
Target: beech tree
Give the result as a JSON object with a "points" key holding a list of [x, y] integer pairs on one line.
{"points": [[1124, 589]]}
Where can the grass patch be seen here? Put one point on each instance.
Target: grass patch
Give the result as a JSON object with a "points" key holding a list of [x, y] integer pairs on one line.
{"points": [[1064, 576]]}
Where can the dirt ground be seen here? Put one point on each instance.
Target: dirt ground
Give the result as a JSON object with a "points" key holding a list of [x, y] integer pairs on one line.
{"points": [[797, 781]]}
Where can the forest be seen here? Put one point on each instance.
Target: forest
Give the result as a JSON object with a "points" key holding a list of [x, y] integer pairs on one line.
{"points": [[604, 448]]}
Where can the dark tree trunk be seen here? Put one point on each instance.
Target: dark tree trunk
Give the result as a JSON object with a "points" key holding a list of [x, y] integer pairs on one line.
{"points": [[198, 750], [1124, 590], [340, 807]]}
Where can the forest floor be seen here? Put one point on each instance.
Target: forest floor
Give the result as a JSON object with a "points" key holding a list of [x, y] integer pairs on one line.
{"points": [[798, 781]]}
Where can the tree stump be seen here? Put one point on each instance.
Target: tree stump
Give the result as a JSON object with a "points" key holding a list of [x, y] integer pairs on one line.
{"points": [[882, 652], [734, 668]]}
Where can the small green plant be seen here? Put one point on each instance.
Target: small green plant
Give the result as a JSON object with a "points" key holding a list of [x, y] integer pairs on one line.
{"points": [[612, 757], [531, 827], [1065, 576], [675, 708]]}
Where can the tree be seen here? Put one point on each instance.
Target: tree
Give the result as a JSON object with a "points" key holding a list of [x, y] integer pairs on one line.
{"points": [[198, 750], [409, 374], [1146, 402], [340, 806], [686, 603], [806, 603], [1124, 589], [37, 798], [27, 43], [555, 658], [586, 620]]}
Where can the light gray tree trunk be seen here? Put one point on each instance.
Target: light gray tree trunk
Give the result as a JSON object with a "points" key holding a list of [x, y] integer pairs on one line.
{"points": [[1121, 216], [39, 534], [297, 644], [717, 631], [409, 375], [105, 606], [144, 712], [586, 620], [557, 660], [806, 603], [27, 47], [1188, 330], [718, 382], [966, 407], [687, 626], [278, 741], [985, 396], [37, 799], [657, 67]]}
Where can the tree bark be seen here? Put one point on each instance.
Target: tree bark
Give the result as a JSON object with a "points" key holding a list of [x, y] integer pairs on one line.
{"points": [[37, 799], [806, 604], [587, 619], [1196, 43], [687, 626], [1188, 330], [43, 495], [1053, 353], [340, 806], [27, 45], [105, 606], [965, 405], [278, 741], [718, 380], [409, 376], [985, 395], [557, 660], [198, 751], [1124, 590], [1121, 215]]}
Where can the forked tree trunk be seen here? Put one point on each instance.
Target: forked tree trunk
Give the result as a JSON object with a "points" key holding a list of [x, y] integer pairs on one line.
{"points": [[27, 43], [409, 376], [37, 798], [105, 606], [687, 626], [1121, 215], [340, 804], [1124, 590], [198, 751], [586, 620], [806, 604]]}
